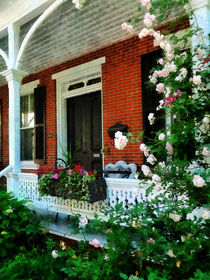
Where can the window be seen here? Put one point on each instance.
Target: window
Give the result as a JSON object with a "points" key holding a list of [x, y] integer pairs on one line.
{"points": [[27, 127], [32, 125]]}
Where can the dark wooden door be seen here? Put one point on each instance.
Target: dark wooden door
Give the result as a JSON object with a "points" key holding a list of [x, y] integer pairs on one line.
{"points": [[150, 97], [84, 130]]}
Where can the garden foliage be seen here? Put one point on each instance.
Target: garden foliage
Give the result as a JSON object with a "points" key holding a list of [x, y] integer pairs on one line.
{"points": [[19, 227]]}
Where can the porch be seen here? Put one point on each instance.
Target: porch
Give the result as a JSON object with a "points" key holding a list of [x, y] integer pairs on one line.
{"points": [[126, 191]]}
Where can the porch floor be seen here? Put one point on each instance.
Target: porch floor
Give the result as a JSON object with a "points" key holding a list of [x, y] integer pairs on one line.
{"points": [[62, 228]]}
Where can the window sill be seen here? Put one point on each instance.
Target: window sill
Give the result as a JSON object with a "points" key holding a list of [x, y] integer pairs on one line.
{"points": [[29, 165]]}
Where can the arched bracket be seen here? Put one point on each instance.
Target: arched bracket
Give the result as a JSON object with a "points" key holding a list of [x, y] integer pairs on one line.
{"points": [[5, 57], [34, 27]]}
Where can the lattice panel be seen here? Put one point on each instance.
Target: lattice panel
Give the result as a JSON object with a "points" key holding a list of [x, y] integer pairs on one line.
{"points": [[125, 191]]}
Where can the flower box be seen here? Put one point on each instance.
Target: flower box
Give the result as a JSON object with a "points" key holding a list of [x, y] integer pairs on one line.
{"points": [[74, 183]]}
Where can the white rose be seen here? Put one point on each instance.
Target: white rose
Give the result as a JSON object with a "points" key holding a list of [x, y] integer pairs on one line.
{"points": [[168, 48], [162, 164], [156, 179], [124, 26], [160, 87], [144, 32], [161, 61], [54, 254], [198, 181], [151, 118], [164, 73], [199, 53], [205, 120], [170, 253], [183, 72], [169, 148], [205, 152], [172, 67], [196, 79], [146, 170], [118, 134], [175, 217], [206, 215], [121, 142], [143, 147], [151, 159], [161, 137]]}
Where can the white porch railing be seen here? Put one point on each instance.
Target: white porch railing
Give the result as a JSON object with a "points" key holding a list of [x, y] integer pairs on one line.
{"points": [[127, 191]]}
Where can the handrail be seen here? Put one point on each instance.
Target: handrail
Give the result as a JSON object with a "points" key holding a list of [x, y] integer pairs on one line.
{"points": [[5, 170]]}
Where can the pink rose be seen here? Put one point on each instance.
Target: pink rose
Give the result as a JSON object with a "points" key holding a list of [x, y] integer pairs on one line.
{"points": [[55, 176], [160, 87], [199, 53], [196, 79], [121, 142], [124, 26], [169, 148], [206, 215], [151, 240], [146, 170], [175, 217], [164, 73], [148, 19], [161, 137], [144, 32], [151, 159], [198, 181], [96, 243], [183, 72], [205, 152], [161, 61], [83, 221], [156, 179]]}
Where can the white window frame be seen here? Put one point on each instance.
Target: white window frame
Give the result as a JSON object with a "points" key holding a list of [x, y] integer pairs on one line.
{"points": [[80, 73], [27, 89]]}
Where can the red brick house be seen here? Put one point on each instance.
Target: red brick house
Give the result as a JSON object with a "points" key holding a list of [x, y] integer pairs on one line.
{"points": [[83, 75]]}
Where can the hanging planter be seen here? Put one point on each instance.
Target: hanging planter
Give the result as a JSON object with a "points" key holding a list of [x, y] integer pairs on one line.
{"points": [[76, 183]]}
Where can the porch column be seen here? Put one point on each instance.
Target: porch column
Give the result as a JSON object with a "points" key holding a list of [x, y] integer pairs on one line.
{"points": [[14, 78], [202, 16]]}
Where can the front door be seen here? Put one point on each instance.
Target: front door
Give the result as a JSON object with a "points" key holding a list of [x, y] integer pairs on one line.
{"points": [[84, 130]]}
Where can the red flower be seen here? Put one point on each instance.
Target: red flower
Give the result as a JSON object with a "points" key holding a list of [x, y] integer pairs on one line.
{"points": [[90, 173], [78, 168]]}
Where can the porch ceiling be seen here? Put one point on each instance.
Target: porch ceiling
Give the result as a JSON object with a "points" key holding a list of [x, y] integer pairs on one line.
{"points": [[68, 33]]}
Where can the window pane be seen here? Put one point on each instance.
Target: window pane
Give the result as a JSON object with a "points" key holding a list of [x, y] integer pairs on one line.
{"points": [[27, 111], [27, 144]]}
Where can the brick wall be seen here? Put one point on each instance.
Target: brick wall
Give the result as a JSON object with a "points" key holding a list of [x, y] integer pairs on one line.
{"points": [[122, 97]]}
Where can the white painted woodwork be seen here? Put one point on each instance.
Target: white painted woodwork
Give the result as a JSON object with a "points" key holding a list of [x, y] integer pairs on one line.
{"points": [[202, 18], [127, 191], [14, 78], [36, 24], [80, 73], [20, 11]]}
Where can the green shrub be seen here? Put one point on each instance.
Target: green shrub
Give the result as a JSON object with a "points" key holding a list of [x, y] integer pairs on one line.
{"points": [[18, 225]]}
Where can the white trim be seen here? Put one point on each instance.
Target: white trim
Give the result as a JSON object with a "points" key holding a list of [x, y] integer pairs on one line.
{"points": [[199, 4], [83, 73], [28, 88], [29, 164]]}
